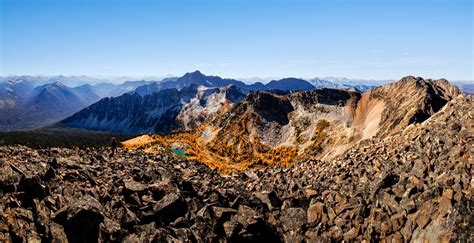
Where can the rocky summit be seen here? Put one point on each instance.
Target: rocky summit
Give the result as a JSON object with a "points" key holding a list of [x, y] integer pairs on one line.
{"points": [[415, 185]]}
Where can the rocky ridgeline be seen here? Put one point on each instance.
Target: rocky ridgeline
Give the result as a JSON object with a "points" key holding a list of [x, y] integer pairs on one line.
{"points": [[415, 185]]}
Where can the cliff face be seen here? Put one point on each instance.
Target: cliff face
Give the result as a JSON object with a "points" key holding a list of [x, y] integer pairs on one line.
{"points": [[207, 105]]}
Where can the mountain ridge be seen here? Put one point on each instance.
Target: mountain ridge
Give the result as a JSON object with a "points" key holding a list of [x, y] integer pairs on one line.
{"points": [[157, 112], [199, 78], [269, 129], [17, 91]]}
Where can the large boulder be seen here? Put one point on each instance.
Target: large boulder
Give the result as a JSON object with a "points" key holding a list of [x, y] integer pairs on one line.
{"points": [[81, 220]]}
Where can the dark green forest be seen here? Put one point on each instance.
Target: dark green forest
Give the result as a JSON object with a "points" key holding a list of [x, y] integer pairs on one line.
{"points": [[60, 137]]}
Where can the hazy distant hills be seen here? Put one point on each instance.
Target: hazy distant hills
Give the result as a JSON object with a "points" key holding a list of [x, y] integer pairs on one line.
{"points": [[26, 103], [71, 81], [14, 92], [74, 81], [43, 105], [56, 98], [347, 84], [466, 86]]}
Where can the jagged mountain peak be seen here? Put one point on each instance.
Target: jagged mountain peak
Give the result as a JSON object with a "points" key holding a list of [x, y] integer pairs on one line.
{"points": [[195, 73], [195, 76], [411, 82], [411, 100]]}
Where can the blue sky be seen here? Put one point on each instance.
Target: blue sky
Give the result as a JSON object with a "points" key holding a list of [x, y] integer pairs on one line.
{"points": [[239, 38]]}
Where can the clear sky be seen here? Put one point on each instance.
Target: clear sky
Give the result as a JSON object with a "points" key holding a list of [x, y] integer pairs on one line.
{"points": [[373, 39]]}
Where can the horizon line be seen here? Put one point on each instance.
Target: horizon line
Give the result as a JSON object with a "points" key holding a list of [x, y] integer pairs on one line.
{"points": [[139, 77]]}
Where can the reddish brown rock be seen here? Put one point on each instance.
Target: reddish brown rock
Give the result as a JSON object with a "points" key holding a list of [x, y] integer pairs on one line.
{"points": [[315, 212]]}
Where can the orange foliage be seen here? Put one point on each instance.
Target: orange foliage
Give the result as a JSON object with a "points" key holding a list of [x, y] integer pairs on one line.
{"points": [[232, 149]]}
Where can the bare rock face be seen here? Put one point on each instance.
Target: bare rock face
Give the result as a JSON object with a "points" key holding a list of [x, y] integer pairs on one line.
{"points": [[208, 104], [271, 107], [411, 100], [415, 185]]}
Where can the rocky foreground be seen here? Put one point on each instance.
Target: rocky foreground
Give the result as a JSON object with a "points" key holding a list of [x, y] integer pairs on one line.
{"points": [[413, 186]]}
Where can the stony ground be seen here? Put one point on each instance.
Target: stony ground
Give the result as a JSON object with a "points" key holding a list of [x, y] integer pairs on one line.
{"points": [[416, 185]]}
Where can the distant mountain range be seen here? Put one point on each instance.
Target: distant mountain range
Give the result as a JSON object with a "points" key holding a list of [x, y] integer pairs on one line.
{"points": [[75, 80], [215, 81], [25, 105], [28, 102], [466, 86], [347, 84]]}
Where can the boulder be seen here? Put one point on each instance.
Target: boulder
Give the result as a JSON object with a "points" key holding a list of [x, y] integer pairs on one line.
{"points": [[81, 220], [315, 212], [270, 198], [292, 219]]}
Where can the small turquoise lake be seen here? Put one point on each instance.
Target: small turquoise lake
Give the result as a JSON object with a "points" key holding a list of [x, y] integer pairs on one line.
{"points": [[179, 152]]}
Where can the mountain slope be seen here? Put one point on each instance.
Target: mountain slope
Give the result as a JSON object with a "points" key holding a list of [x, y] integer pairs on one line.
{"points": [[90, 92], [421, 177], [411, 100], [56, 98], [14, 92], [163, 111]]}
